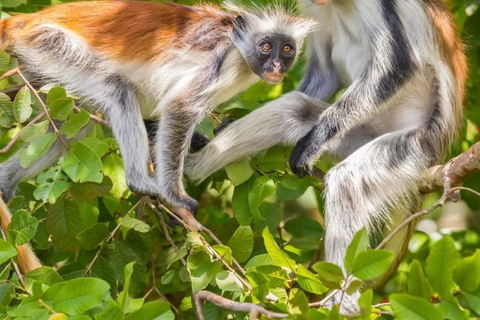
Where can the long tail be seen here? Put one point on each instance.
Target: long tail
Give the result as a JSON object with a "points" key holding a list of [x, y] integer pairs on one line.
{"points": [[27, 259]]}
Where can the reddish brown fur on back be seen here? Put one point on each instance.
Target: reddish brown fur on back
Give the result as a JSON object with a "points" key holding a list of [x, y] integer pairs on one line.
{"points": [[450, 45], [129, 31]]}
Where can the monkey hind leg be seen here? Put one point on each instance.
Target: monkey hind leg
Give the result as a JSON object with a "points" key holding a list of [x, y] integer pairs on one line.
{"points": [[362, 191]]}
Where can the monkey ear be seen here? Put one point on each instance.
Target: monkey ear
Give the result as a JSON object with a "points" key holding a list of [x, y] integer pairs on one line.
{"points": [[322, 2], [302, 28]]}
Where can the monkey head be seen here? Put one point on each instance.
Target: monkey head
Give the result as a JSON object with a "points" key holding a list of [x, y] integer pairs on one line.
{"points": [[270, 40]]}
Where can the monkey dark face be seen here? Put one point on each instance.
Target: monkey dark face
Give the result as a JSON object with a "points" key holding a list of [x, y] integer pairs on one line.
{"points": [[273, 56]]}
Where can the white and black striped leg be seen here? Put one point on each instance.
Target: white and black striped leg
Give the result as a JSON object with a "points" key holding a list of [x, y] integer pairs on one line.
{"points": [[172, 143], [361, 190], [284, 120], [123, 112]]}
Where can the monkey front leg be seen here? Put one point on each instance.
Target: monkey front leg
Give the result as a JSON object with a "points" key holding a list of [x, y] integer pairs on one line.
{"points": [[284, 120], [171, 146]]}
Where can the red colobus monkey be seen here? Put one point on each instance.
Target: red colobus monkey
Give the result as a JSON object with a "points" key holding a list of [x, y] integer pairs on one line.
{"points": [[404, 70], [179, 61]]}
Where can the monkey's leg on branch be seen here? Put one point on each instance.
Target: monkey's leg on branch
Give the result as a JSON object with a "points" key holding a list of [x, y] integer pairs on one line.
{"points": [[27, 259]]}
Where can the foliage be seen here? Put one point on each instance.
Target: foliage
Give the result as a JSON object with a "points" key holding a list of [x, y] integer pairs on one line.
{"points": [[108, 255]]}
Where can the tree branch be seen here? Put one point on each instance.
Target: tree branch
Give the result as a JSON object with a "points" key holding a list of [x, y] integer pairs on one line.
{"points": [[222, 302]]}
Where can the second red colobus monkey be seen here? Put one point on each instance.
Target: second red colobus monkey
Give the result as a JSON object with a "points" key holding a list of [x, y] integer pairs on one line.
{"points": [[180, 61], [404, 70]]}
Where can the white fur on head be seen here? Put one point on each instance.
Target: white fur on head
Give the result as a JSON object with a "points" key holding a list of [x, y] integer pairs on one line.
{"points": [[270, 19]]}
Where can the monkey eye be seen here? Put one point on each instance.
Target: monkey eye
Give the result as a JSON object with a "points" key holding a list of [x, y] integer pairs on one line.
{"points": [[287, 49], [266, 47]]}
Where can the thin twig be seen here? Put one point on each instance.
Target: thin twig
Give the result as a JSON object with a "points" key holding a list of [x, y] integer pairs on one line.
{"points": [[199, 228], [154, 287], [18, 135], [111, 235], [163, 223], [93, 117], [224, 303], [214, 238], [35, 93]]}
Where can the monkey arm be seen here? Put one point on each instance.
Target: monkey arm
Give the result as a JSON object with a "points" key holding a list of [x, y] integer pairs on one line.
{"points": [[390, 68], [284, 120]]}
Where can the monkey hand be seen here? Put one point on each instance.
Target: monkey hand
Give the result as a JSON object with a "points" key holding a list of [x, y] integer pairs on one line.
{"points": [[301, 161]]}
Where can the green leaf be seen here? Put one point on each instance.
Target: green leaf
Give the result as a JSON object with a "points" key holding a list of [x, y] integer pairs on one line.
{"points": [[7, 251], [56, 93], [278, 256], [227, 281], [61, 108], [365, 303], [259, 283], [124, 297], [93, 236], [89, 191], [239, 171], [354, 286], [440, 263], [407, 307], [77, 296], [22, 227], [224, 252], [467, 273], [46, 275], [36, 149], [137, 225], [202, 270], [263, 188], [6, 111], [473, 301], [303, 227], [82, 164], [34, 130], [260, 260], [12, 3], [111, 312], [4, 60], [113, 168], [371, 264], [330, 274], [309, 282], [22, 105], [241, 243], [75, 123], [359, 243], [417, 283], [51, 185], [240, 206], [156, 310], [64, 225]]}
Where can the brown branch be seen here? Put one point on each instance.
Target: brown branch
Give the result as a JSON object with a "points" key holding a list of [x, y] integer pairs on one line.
{"points": [[459, 169], [224, 303], [93, 117]]}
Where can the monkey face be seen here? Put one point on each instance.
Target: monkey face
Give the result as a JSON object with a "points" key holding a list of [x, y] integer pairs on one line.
{"points": [[273, 56]]}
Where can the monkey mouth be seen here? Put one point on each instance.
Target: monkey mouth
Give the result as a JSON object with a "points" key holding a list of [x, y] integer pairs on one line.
{"points": [[321, 2], [273, 78]]}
